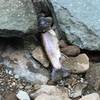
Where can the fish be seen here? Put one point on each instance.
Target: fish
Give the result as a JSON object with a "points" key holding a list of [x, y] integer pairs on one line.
{"points": [[51, 46]]}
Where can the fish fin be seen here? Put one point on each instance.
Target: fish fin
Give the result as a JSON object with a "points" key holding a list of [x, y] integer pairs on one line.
{"points": [[66, 72], [55, 72]]}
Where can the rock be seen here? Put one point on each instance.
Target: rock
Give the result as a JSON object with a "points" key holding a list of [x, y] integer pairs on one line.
{"points": [[16, 76], [71, 50], [50, 92], [21, 95], [93, 75], [62, 44], [39, 55], [28, 87], [99, 93], [32, 72], [40, 6], [39, 77], [79, 20], [44, 97], [17, 18], [49, 97], [11, 96], [37, 86], [93, 96], [77, 89], [79, 64], [1, 98], [1, 66]]}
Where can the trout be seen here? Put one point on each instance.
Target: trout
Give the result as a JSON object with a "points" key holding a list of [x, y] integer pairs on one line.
{"points": [[51, 45], [50, 42]]}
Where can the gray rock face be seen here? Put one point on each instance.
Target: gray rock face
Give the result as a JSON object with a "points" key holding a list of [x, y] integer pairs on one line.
{"points": [[80, 21], [17, 16]]}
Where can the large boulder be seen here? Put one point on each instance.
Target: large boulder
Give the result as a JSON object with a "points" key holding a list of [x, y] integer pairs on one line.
{"points": [[17, 17], [79, 20]]}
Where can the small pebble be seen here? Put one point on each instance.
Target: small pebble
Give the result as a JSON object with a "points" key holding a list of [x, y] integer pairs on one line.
{"points": [[17, 76], [37, 86], [71, 50], [22, 95], [28, 87], [13, 84], [10, 72], [21, 87]]}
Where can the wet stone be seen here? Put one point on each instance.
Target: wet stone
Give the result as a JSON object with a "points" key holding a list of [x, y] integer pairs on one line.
{"points": [[93, 76], [17, 18], [40, 55], [22, 95], [11, 96], [71, 50], [79, 21], [78, 64], [92, 96], [47, 92]]}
